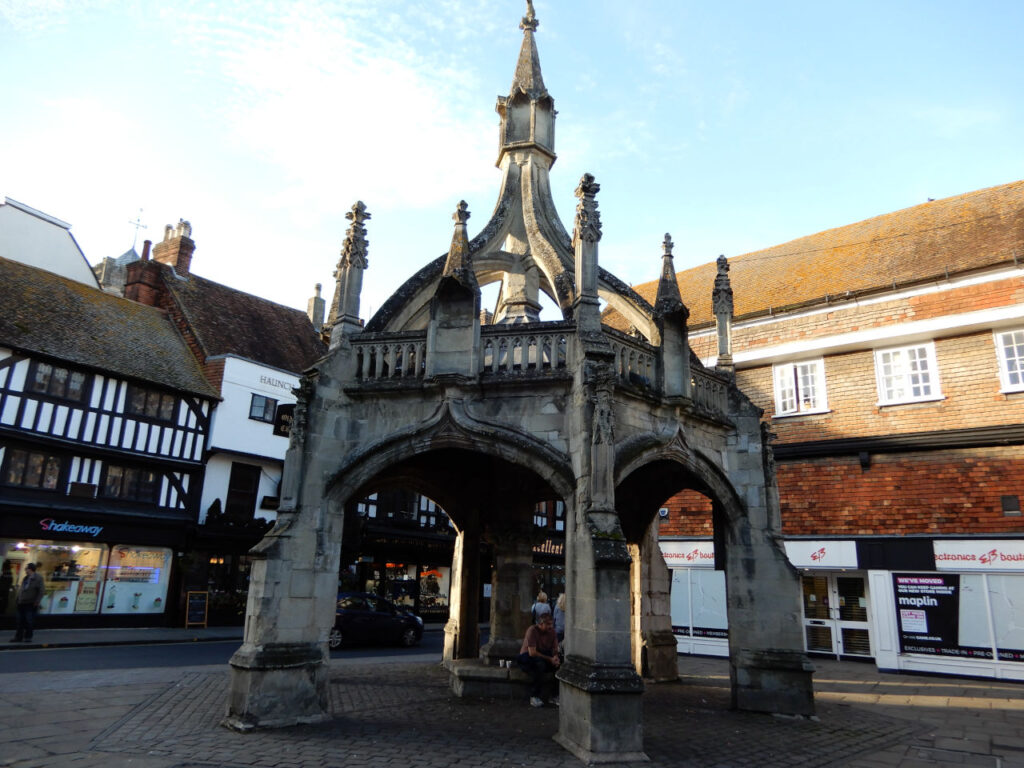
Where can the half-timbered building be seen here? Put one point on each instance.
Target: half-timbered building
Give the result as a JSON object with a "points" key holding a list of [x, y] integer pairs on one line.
{"points": [[104, 418]]}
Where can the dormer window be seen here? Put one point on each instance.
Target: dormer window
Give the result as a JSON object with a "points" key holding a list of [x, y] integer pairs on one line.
{"points": [[55, 381], [150, 403]]}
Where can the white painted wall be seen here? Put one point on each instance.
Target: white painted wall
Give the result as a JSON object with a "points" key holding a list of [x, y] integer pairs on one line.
{"points": [[232, 429], [218, 472], [34, 238], [236, 437]]}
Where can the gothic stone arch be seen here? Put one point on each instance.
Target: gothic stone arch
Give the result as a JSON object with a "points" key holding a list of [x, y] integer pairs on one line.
{"points": [[576, 407]]}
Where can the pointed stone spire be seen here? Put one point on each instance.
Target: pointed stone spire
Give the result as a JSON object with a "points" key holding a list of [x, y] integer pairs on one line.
{"points": [[528, 112], [668, 299], [721, 305], [344, 317], [528, 79], [459, 265]]}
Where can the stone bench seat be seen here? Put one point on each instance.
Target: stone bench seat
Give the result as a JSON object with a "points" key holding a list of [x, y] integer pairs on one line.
{"points": [[472, 678]]}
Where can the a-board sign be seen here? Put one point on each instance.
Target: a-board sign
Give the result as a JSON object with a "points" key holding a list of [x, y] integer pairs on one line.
{"points": [[195, 609]]}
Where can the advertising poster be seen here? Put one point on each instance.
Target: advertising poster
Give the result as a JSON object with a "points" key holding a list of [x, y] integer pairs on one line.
{"points": [[928, 613]]}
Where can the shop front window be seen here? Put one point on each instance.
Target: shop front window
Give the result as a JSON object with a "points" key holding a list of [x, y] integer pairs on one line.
{"points": [[434, 585], [136, 580], [72, 572]]}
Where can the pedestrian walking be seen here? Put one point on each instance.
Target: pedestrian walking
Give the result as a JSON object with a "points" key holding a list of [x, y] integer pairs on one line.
{"points": [[30, 595]]}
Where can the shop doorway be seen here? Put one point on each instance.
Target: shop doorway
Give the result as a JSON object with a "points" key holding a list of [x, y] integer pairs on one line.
{"points": [[836, 615]]}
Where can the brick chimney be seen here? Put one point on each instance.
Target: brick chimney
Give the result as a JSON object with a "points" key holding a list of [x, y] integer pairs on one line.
{"points": [[177, 247], [315, 309], [142, 281]]}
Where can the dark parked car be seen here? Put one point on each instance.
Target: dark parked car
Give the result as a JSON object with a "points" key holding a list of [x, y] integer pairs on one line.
{"points": [[365, 618]]}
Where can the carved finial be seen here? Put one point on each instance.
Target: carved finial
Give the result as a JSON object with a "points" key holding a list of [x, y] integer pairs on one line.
{"points": [[721, 296], [529, 22], [459, 265], [354, 250], [668, 299], [588, 221]]}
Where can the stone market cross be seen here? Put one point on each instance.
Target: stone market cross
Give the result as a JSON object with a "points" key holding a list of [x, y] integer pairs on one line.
{"points": [[489, 414]]}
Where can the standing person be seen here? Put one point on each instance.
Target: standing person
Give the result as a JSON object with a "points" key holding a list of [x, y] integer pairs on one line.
{"points": [[540, 606], [559, 617], [538, 657], [30, 595]]}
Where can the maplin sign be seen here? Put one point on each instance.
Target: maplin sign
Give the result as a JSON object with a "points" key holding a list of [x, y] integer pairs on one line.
{"points": [[52, 526]]}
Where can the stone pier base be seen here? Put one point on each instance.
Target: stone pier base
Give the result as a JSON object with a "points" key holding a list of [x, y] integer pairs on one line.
{"points": [[278, 685], [776, 681], [601, 713]]}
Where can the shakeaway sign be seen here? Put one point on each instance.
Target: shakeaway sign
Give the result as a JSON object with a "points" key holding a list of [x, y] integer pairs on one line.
{"points": [[928, 611]]}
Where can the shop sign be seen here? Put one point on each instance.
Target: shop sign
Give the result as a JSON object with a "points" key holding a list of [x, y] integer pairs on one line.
{"points": [[49, 525], [283, 420], [928, 613], [685, 554], [822, 554], [270, 381], [990, 555]]}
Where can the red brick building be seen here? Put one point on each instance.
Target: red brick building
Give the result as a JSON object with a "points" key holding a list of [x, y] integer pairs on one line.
{"points": [[888, 356]]}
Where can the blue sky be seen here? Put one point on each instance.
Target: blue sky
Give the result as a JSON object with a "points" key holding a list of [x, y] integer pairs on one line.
{"points": [[732, 125]]}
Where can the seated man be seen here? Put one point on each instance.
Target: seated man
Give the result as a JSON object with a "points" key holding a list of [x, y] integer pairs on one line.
{"points": [[538, 657]]}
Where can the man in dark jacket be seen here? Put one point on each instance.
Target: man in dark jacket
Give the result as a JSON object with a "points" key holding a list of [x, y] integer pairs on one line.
{"points": [[30, 595], [538, 657]]}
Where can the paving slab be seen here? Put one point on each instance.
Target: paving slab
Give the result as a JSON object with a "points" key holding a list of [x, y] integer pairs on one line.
{"points": [[404, 714]]}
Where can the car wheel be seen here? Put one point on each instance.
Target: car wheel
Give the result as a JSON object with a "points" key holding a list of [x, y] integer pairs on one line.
{"points": [[334, 639], [408, 638]]}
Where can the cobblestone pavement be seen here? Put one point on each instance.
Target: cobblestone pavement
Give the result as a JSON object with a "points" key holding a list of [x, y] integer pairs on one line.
{"points": [[403, 715]]}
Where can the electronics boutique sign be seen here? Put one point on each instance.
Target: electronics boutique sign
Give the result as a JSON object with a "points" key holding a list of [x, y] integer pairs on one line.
{"points": [[980, 555]]}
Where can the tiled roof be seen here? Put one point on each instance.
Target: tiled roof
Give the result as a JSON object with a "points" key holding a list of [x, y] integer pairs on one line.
{"points": [[956, 234], [50, 315], [227, 321]]}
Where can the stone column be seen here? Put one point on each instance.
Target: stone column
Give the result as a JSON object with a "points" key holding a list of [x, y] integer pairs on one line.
{"points": [[511, 594], [654, 645], [462, 632], [601, 716], [768, 667]]}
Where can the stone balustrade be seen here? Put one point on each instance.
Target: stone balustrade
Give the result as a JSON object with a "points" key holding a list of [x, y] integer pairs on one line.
{"points": [[521, 349], [710, 393], [635, 359], [390, 356]]}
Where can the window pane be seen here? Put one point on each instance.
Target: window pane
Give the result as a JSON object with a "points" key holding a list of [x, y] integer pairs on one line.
{"points": [[113, 483], [256, 407], [76, 385], [152, 404], [136, 400], [16, 467], [41, 379], [807, 386], [51, 473], [34, 469], [1013, 355], [59, 382], [167, 403], [785, 389]]}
